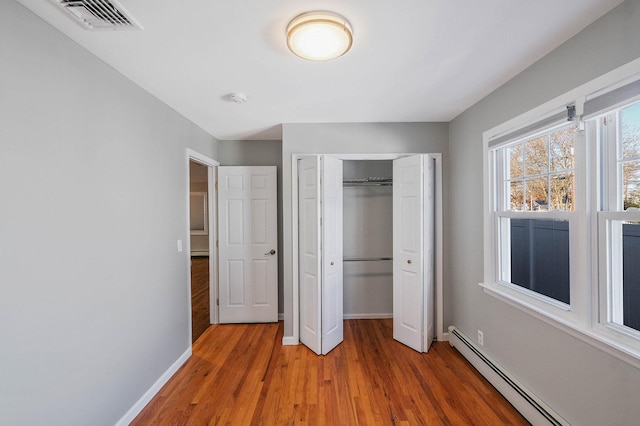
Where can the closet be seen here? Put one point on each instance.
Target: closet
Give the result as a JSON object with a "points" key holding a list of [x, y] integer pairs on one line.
{"points": [[366, 247], [368, 238]]}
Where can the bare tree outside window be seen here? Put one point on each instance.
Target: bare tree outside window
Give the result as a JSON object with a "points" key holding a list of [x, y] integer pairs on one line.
{"points": [[630, 147], [541, 172]]}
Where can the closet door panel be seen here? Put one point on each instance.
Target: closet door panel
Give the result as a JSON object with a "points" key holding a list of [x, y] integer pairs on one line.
{"points": [[408, 262], [310, 270], [332, 254]]}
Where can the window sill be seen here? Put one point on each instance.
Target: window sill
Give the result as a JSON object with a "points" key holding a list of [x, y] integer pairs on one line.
{"points": [[599, 337]]}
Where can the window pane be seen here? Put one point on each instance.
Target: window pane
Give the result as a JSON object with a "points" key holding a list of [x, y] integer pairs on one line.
{"points": [[516, 195], [514, 153], [539, 257], [631, 275], [561, 149], [631, 184], [536, 157], [630, 131], [537, 194], [562, 191], [538, 173]]}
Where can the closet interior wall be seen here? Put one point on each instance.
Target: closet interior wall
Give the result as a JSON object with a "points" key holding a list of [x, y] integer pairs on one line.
{"points": [[368, 237]]}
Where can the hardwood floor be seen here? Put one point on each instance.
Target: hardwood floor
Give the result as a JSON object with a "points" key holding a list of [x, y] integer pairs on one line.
{"points": [[200, 317], [242, 375]]}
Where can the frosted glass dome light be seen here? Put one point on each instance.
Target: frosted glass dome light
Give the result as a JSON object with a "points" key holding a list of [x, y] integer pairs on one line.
{"points": [[319, 36]]}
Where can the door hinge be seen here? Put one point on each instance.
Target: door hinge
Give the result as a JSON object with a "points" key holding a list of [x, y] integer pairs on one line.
{"points": [[217, 244], [216, 186], [217, 302]]}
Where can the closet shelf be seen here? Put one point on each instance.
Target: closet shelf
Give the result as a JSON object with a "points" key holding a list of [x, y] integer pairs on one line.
{"points": [[370, 181], [366, 259]]}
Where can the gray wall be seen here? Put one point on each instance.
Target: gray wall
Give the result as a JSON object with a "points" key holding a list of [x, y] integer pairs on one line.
{"points": [[581, 383], [259, 153], [93, 181], [344, 138]]}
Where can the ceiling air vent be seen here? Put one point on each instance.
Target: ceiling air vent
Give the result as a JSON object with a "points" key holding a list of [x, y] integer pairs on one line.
{"points": [[102, 15]]}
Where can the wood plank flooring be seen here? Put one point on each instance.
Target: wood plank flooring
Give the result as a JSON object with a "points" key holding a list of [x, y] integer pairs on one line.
{"points": [[241, 374], [200, 309]]}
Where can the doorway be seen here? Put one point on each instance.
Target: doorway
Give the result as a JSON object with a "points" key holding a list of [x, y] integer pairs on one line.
{"points": [[368, 239], [201, 215], [252, 228], [199, 248]]}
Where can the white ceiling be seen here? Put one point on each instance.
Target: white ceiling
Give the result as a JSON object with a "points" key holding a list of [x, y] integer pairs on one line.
{"points": [[411, 61]]}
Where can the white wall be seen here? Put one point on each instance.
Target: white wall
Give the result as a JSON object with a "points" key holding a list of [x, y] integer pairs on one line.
{"points": [[93, 186], [341, 138], [581, 383]]}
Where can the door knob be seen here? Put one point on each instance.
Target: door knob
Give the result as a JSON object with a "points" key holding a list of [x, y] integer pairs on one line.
{"points": [[409, 261], [331, 263], [271, 252]]}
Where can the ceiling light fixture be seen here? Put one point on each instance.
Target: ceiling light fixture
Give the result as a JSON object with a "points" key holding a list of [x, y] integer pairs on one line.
{"points": [[319, 36]]}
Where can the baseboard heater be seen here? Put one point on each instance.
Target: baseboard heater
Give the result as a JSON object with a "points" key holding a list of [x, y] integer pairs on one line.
{"points": [[530, 406]]}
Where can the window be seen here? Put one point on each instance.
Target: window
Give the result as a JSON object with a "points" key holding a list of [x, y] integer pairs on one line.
{"points": [[562, 213], [619, 135], [535, 197]]}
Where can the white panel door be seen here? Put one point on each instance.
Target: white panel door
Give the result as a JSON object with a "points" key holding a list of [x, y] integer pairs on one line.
{"points": [[332, 277], [310, 268], [248, 238], [408, 251]]}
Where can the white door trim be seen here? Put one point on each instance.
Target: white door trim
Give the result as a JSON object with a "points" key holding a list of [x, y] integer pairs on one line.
{"points": [[440, 330], [213, 233]]}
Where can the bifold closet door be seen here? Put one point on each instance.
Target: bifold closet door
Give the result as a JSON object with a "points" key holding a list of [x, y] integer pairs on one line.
{"points": [[412, 251], [247, 226], [310, 255], [332, 254], [320, 252]]}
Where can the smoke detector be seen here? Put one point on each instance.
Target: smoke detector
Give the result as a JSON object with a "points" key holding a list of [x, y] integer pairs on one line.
{"points": [[238, 98], [104, 15]]}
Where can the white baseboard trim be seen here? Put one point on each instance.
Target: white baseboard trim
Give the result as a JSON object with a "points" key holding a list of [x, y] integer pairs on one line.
{"points": [[528, 404], [153, 390], [366, 316], [289, 341], [445, 337], [280, 316]]}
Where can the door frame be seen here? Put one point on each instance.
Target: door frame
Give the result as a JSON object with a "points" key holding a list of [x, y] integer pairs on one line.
{"points": [[212, 219], [439, 302]]}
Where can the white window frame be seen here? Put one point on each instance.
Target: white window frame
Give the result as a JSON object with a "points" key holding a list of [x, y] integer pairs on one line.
{"points": [[588, 316], [610, 216], [533, 300]]}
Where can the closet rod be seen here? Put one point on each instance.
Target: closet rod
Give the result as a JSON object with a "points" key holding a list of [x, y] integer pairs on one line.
{"points": [[366, 259], [352, 184]]}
